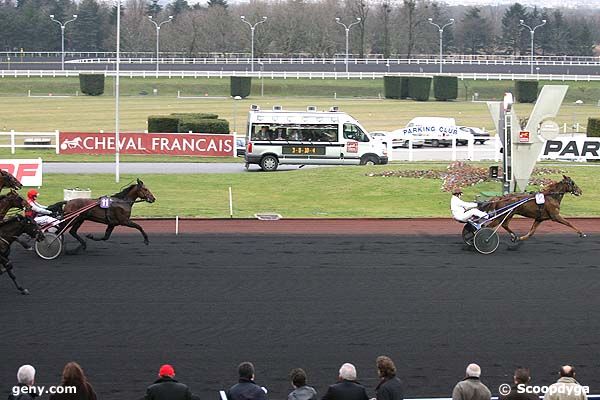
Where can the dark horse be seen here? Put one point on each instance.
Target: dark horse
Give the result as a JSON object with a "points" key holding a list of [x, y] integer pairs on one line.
{"points": [[117, 213], [9, 181], [9, 231], [11, 200], [549, 210]]}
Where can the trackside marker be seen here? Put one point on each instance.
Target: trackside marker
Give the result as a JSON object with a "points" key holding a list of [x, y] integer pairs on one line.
{"points": [[177, 225], [230, 203]]}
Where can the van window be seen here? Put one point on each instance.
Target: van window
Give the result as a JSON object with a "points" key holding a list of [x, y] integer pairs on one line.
{"points": [[353, 132], [287, 132]]}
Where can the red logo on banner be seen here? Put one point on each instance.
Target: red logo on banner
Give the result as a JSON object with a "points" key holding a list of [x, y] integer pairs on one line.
{"points": [[176, 144], [524, 136], [352, 147]]}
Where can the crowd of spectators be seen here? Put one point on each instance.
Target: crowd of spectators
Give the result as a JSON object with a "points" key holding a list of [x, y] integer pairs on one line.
{"points": [[347, 387]]}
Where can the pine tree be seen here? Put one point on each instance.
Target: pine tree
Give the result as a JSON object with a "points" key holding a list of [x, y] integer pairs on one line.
{"points": [[473, 38], [218, 3], [513, 35]]}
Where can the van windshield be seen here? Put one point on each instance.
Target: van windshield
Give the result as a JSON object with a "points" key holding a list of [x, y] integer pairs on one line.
{"points": [[353, 132], [294, 132]]}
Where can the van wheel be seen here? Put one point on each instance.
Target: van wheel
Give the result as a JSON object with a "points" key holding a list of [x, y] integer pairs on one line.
{"points": [[269, 163], [435, 143], [369, 160]]}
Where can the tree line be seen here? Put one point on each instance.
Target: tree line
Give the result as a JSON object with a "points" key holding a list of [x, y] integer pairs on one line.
{"points": [[391, 28]]}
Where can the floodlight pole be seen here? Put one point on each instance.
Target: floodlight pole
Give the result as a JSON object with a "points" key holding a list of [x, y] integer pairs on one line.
{"points": [[117, 69], [252, 28], [158, 25], [62, 37], [532, 32], [347, 28], [441, 31]]}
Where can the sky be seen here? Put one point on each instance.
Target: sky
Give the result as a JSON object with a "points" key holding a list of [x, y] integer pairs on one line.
{"points": [[543, 3]]}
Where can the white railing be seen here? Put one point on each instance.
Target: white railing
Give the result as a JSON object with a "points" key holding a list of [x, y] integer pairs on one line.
{"points": [[453, 152], [31, 140], [292, 75]]}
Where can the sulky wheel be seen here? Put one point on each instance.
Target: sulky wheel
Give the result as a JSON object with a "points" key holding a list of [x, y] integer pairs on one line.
{"points": [[468, 233], [50, 247], [486, 240]]}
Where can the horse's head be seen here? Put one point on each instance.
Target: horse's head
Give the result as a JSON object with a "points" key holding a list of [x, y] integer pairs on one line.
{"points": [[10, 181], [144, 193], [568, 186], [15, 199], [30, 227]]}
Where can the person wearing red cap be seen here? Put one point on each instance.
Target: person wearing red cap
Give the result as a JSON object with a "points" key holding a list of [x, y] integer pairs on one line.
{"points": [[38, 212], [166, 387]]}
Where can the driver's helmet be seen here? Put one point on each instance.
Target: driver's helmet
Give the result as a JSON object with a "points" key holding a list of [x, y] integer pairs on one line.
{"points": [[456, 191], [32, 194]]}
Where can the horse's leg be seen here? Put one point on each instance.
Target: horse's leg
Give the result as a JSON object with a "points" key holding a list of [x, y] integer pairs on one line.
{"points": [[132, 224], [73, 232], [106, 236], [8, 267], [24, 242], [532, 230], [505, 225], [563, 221]]}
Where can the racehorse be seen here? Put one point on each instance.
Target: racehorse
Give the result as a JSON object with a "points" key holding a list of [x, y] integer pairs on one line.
{"points": [[11, 200], [9, 231], [549, 210], [9, 181], [117, 213]]}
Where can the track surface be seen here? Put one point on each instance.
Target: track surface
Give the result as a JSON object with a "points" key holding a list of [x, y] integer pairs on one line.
{"points": [[207, 302]]}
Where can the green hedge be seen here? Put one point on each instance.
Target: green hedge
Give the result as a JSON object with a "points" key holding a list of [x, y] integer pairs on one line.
{"points": [[204, 126], [593, 127], [526, 91], [419, 88], [240, 86], [162, 124], [445, 88], [91, 84], [195, 115], [392, 87], [404, 87]]}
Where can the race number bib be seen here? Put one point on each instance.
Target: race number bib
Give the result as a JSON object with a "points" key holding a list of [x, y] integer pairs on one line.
{"points": [[105, 202], [539, 198]]}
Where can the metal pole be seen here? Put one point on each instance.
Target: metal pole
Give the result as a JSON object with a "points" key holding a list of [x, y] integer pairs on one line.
{"points": [[347, 47], [157, 44], [347, 28], [441, 31], [441, 48], [62, 47], [118, 60], [532, 32], [252, 50]]}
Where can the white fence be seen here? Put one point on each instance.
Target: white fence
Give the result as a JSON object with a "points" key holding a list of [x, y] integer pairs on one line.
{"points": [[30, 140], [469, 152]]}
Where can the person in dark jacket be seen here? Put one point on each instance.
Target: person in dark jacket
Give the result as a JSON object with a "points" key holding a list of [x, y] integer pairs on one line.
{"points": [[390, 386], [26, 379], [166, 387], [301, 390], [246, 389], [73, 376], [521, 377], [347, 388]]}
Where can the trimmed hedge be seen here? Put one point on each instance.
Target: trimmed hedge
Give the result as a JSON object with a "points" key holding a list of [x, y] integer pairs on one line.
{"points": [[593, 127], [392, 87], [195, 115], [419, 88], [445, 88], [526, 91], [162, 124], [91, 84], [204, 125], [240, 86], [404, 87]]}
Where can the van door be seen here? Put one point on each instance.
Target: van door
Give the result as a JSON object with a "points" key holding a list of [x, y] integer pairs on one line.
{"points": [[356, 143]]}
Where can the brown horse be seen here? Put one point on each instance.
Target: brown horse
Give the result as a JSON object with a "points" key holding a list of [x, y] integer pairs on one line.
{"points": [[11, 200], [117, 213], [549, 210], [9, 181]]}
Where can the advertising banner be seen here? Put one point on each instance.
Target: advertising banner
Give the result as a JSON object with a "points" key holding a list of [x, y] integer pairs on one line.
{"points": [[574, 148], [28, 172], [174, 144]]}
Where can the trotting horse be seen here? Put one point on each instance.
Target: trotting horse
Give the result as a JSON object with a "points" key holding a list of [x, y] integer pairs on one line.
{"points": [[9, 231], [117, 213], [9, 181], [549, 210], [11, 200]]}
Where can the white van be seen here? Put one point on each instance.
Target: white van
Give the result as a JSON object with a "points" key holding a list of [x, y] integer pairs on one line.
{"points": [[309, 137]]}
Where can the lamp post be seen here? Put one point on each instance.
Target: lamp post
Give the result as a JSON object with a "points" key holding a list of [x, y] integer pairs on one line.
{"points": [[441, 31], [62, 36], [347, 28], [532, 32], [252, 28], [158, 25]]}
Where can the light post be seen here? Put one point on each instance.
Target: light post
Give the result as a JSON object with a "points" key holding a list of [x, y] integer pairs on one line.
{"points": [[262, 78], [441, 31], [62, 36], [347, 28], [252, 28], [158, 25], [532, 32]]}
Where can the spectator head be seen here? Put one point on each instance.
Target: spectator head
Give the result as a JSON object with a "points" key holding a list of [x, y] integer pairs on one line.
{"points": [[522, 376], [348, 372], [567, 371], [473, 371], [73, 375], [26, 375], [246, 370], [385, 367], [166, 370], [298, 377]]}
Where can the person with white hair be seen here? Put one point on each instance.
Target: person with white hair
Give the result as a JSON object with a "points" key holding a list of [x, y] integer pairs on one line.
{"points": [[347, 387], [25, 379], [471, 387]]}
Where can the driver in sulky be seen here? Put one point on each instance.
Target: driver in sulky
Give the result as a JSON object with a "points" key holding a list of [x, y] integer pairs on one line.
{"points": [[40, 213], [463, 210]]}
